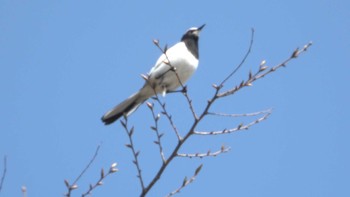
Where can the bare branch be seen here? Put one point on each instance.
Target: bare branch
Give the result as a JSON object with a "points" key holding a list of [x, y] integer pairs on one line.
{"points": [[186, 181], [156, 97], [112, 170], [89, 164], [189, 101], [241, 115], [168, 116], [207, 154], [179, 145], [155, 128], [263, 71], [3, 173], [74, 185], [243, 60], [205, 112], [238, 128], [134, 152]]}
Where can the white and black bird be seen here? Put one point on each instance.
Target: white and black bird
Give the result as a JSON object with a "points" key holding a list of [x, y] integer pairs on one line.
{"points": [[183, 56]]}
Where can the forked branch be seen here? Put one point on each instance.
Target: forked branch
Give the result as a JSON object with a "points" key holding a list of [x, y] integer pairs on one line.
{"points": [[182, 138], [74, 185], [186, 181]]}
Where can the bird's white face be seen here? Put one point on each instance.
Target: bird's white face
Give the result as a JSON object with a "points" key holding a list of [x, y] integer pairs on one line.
{"points": [[193, 31]]}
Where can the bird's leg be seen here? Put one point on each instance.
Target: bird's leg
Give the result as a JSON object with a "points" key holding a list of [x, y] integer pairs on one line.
{"points": [[183, 90], [173, 91]]}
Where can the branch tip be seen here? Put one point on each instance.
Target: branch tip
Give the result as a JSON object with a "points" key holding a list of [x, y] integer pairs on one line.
{"points": [[295, 53], [66, 183], [156, 42], [73, 187], [150, 105], [102, 173], [131, 131], [145, 77]]}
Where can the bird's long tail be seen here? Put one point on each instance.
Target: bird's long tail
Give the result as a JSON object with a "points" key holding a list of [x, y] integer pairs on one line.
{"points": [[126, 107]]}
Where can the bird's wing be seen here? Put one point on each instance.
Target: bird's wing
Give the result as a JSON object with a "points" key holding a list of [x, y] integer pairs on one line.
{"points": [[160, 67], [172, 54]]}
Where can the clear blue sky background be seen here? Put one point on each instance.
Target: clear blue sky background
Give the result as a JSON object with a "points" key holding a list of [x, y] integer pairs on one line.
{"points": [[64, 63]]}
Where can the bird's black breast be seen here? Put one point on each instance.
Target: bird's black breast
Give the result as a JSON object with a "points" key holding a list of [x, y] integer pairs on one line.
{"points": [[191, 43]]}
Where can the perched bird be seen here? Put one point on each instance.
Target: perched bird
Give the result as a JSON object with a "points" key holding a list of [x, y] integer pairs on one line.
{"points": [[181, 58]]}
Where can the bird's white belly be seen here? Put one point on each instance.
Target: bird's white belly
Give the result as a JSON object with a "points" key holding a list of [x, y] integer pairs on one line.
{"points": [[183, 71], [161, 76]]}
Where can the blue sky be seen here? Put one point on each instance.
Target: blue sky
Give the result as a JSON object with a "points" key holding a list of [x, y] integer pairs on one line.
{"points": [[64, 63]]}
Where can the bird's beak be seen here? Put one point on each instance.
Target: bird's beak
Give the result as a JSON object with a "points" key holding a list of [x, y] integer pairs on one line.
{"points": [[201, 27]]}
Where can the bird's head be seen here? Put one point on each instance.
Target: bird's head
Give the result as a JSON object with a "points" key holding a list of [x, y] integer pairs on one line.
{"points": [[193, 32]]}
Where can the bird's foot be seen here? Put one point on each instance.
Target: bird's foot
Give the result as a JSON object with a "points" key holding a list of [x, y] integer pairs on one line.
{"points": [[184, 89]]}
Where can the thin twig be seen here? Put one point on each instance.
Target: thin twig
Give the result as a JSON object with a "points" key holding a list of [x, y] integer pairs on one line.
{"points": [[155, 128], [189, 101], [186, 181], [238, 128], [207, 154], [112, 170], [156, 97], [243, 60], [74, 185], [3, 173], [263, 71], [89, 164], [169, 117], [241, 115], [134, 152], [179, 145]]}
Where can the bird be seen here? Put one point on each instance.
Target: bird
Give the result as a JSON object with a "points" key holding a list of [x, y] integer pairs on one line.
{"points": [[172, 69]]}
